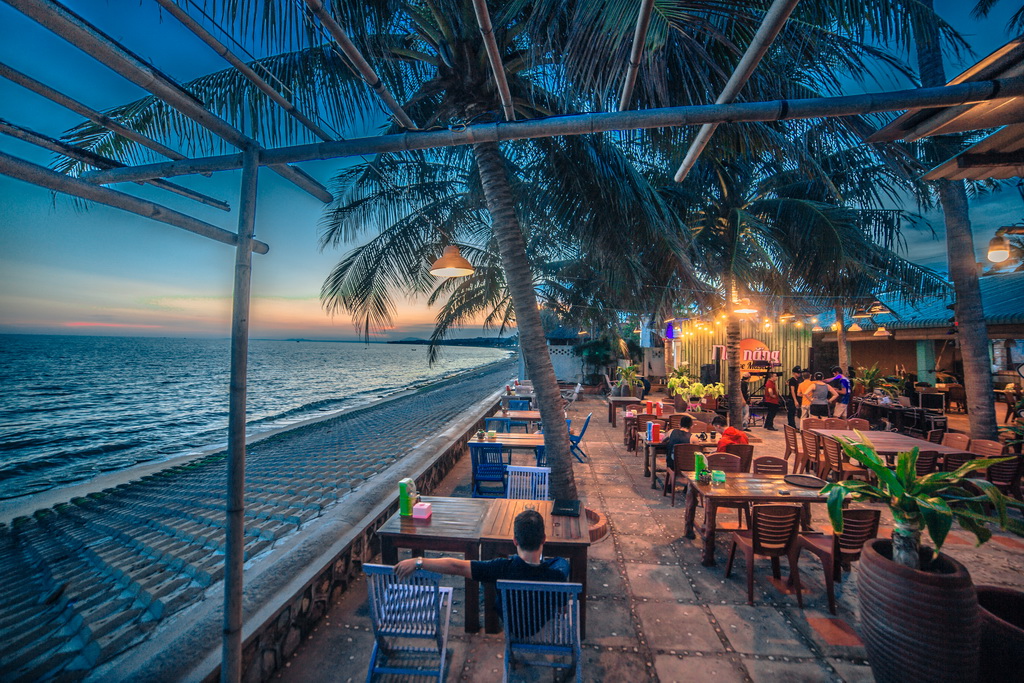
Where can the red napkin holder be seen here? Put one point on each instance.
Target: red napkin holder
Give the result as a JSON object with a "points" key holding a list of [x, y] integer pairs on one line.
{"points": [[656, 432]]}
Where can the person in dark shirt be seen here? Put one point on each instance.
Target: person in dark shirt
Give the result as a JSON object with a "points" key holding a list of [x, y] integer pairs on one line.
{"points": [[792, 397], [528, 564], [677, 436]]}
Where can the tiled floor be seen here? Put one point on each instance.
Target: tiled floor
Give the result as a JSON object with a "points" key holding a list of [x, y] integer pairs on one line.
{"points": [[654, 612]]}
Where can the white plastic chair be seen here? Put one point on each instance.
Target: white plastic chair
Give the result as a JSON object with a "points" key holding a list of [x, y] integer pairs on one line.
{"points": [[527, 483], [416, 607], [541, 618]]}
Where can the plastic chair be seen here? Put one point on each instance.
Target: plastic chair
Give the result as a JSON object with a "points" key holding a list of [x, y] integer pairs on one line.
{"points": [[518, 405], [836, 423], [684, 456], [837, 551], [812, 423], [834, 462], [956, 440], [954, 461], [935, 435], [417, 608], [812, 453], [576, 439], [1005, 476], [745, 451], [768, 464], [987, 448], [700, 427], [570, 397], [528, 483], [927, 462], [955, 393], [502, 425], [729, 462], [541, 454], [640, 423], [792, 436], [674, 420], [773, 533], [488, 468], [541, 618], [859, 423]]}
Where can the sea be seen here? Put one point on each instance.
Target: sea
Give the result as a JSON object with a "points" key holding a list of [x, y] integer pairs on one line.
{"points": [[73, 407]]}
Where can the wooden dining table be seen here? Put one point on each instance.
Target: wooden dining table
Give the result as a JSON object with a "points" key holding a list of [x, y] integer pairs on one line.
{"points": [[514, 440], [738, 487], [613, 407], [567, 537], [888, 444], [527, 415]]}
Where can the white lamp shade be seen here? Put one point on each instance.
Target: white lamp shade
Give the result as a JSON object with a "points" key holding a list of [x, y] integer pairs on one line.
{"points": [[451, 264], [998, 249]]}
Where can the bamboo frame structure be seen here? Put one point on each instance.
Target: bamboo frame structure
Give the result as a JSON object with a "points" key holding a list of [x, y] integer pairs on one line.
{"points": [[584, 124], [643, 22], [99, 161], [483, 20], [773, 22]]}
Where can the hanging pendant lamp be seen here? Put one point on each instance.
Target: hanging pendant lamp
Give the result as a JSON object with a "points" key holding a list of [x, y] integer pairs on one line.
{"points": [[451, 264]]}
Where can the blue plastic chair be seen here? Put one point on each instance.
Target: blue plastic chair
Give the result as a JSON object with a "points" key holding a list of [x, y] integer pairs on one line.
{"points": [[518, 405], [541, 618], [502, 425], [575, 440], [542, 456], [488, 468], [416, 608]]}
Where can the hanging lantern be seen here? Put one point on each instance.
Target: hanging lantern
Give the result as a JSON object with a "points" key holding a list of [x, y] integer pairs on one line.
{"points": [[881, 332], [744, 307], [998, 249], [855, 327], [861, 314], [451, 264], [786, 316]]}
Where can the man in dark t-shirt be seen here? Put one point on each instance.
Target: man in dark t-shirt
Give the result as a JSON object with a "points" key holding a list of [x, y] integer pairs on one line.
{"points": [[793, 396], [528, 564]]}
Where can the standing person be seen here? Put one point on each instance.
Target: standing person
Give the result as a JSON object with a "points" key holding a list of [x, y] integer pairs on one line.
{"points": [[841, 384], [801, 390], [771, 401], [728, 435], [745, 391], [820, 395], [793, 397]]}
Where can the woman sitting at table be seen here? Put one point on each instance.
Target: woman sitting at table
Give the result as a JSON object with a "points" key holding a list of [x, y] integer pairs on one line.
{"points": [[677, 436]]}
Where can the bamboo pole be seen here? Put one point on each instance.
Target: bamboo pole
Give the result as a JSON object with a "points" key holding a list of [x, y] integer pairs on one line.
{"points": [[222, 50], [643, 22], [483, 20], [100, 161], [234, 557], [773, 22], [58, 182], [83, 35], [96, 117], [585, 124], [359, 62]]}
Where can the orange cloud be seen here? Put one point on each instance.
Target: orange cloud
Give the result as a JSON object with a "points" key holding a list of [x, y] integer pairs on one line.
{"points": [[87, 324]]}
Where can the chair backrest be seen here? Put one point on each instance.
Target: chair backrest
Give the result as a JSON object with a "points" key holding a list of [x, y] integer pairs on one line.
{"points": [[745, 451], [811, 445], [935, 435], [956, 440], [541, 454], [774, 528], [1005, 474], [986, 448], [486, 456], [518, 405], [502, 425], [673, 420], [768, 464], [727, 462], [927, 462], [583, 429], [859, 527], [685, 455], [957, 393], [833, 454], [541, 613], [953, 461], [409, 607], [700, 427], [527, 483], [859, 424], [836, 423], [792, 436], [812, 423]]}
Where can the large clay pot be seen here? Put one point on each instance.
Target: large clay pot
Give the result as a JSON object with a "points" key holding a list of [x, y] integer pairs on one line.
{"points": [[918, 626], [1002, 632]]}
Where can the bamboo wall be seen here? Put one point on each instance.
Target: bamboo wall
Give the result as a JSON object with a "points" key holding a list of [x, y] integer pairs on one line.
{"points": [[792, 342]]}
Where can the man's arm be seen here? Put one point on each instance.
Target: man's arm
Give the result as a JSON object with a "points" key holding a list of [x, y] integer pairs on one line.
{"points": [[441, 565]]}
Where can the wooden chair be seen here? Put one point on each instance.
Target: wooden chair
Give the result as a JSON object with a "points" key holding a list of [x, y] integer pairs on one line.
{"points": [[541, 619], [987, 449], [859, 424], [792, 436], [927, 462], [528, 483], [1006, 476], [729, 462], [673, 421], [811, 455], [956, 440], [627, 429], [812, 423], [746, 453], [955, 393], [767, 464], [641, 423], [773, 533], [489, 467], [935, 435], [414, 608], [700, 427], [684, 460], [834, 462], [837, 551], [954, 461], [836, 423]]}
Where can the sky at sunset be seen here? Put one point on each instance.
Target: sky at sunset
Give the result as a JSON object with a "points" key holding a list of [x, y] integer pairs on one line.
{"points": [[102, 271]]}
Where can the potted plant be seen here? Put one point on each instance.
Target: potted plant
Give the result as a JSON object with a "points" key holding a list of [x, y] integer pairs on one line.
{"points": [[678, 381], [919, 610], [695, 392], [629, 381], [713, 392], [869, 379]]}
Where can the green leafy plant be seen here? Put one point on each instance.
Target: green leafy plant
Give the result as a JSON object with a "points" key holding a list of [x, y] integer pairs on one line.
{"points": [[715, 390], [628, 376], [930, 502], [873, 378], [678, 380], [1014, 432]]}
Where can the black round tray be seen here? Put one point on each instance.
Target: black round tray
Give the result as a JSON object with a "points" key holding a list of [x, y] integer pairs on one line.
{"points": [[806, 480]]}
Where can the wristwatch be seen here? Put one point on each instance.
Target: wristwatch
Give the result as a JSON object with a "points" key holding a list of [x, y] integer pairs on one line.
{"points": [[419, 563]]}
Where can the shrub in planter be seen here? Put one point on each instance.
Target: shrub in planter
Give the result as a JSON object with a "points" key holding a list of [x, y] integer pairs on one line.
{"points": [[919, 609]]}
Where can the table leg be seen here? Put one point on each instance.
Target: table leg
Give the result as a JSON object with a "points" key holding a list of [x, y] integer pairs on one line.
{"points": [[578, 574], [611, 414], [710, 512], [472, 594], [491, 623], [647, 463], [388, 551], [689, 511]]}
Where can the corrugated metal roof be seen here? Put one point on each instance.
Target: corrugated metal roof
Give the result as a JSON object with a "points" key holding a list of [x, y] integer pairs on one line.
{"points": [[1002, 298]]}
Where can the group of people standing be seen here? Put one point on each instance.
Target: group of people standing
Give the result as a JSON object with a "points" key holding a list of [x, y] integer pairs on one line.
{"points": [[807, 395]]}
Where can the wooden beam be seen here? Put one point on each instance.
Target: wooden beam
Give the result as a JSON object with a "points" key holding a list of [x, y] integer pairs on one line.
{"points": [[985, 159], [643, 22], [359, 62], [585, 124], [100, 161], [58, 182], [483, 20], [83, 35]]}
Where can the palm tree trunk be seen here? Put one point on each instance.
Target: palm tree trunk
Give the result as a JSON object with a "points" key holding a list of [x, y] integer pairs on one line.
{"points": [[963, 271], [732, 347], [519, 280], [844, 346]]}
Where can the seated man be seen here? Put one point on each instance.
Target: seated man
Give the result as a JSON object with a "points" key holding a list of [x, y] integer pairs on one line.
{"points": [[729, 435], [528, 564], [677, 436]]}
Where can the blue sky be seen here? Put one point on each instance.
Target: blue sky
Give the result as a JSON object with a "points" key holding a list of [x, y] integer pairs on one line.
{"points": [[103, 271]]}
